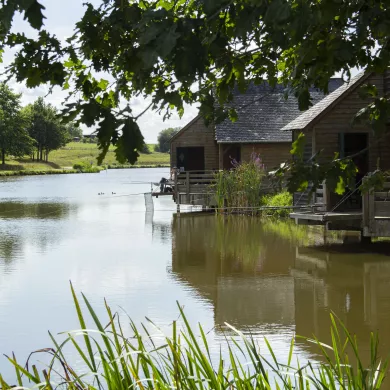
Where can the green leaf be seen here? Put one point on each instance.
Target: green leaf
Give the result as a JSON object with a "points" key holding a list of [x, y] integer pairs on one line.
{"points": [[298, 146], [34, 14], [167, 41], [368, 91], [103, 84], [129, 143]]}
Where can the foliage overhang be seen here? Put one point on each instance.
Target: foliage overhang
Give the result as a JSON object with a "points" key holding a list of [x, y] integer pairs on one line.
{"points": [[161, 49]]}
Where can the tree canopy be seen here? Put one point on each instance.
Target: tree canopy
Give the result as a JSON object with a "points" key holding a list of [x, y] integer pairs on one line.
{"points": [[194, 51], [14, 138], [164, 137], [43, 124]]}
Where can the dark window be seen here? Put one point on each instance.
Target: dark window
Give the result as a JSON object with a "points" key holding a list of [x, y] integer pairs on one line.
{"points": [[190, 158], [231, 155]]}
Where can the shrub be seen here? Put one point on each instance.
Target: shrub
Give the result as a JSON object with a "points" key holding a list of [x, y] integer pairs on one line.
{"points": [[146, 150], [282, 199], [82, 165]]}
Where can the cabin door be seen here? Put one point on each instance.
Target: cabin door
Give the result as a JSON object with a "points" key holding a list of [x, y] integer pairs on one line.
{"points": [[190, 158], [353, 144]]}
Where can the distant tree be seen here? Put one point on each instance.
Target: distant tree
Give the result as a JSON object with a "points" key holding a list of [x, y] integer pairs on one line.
{"points": [[146, 150], [45, 127], [74, 131], [14, 138], [164, 138]]}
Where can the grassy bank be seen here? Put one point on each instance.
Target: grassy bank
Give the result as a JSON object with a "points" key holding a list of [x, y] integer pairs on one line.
{"points": [[77, 151], [114, 360], [63, 160]]}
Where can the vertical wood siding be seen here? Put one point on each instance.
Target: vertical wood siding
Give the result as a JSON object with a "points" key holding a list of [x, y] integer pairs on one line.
{"points": [[272, 154], [386, 82], [198, 134], [339, 120]]}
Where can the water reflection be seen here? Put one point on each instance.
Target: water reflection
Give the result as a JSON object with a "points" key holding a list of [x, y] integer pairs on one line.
{"points": [[271, 277], [231, 262], [13, 210], [351, 282], [18, 232]]}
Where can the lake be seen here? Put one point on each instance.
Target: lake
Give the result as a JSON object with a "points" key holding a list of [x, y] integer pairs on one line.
{"points": [[268, 278]]}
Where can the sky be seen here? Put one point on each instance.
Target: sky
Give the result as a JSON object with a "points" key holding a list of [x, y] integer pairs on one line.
{"points": [[61, 18]]}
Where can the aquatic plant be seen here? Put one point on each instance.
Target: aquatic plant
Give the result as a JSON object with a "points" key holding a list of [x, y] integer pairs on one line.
{"points": [[238, 189], [183, 361]]}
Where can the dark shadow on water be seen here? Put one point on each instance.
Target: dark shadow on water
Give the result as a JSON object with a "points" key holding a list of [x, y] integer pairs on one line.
{"points": [[23, 225], [375, 248], [18, 210]]}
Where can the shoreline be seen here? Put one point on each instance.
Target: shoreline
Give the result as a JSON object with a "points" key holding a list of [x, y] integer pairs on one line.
{"points": [[72, 171]]}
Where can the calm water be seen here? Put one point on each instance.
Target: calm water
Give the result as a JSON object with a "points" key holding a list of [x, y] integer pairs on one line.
{"points": [[270, 279]]}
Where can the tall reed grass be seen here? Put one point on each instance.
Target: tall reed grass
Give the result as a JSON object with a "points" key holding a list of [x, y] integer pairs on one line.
{"points": [[183, 361], [239, 188]]}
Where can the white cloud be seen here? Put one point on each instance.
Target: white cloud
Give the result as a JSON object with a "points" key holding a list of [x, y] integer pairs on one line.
{"points": [[61, 18]]}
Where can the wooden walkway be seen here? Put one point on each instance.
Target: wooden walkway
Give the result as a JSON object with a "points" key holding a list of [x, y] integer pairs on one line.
{"points": [[372, 220]]}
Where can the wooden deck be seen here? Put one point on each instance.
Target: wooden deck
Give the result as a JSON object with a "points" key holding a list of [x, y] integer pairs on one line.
{"points": [[325, 217], [373, 220]]}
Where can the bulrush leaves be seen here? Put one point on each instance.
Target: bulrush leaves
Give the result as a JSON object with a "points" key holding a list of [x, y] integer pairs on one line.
{"points": [[151, 360]]}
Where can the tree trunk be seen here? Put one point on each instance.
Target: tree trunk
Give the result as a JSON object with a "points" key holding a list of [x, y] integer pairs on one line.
{"points": [[3, 156], [41, 154], [32, 156]]}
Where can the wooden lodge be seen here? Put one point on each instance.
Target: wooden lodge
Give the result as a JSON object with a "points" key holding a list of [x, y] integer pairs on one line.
{"points": [[197, 151], [328, 127], [267, 125]]}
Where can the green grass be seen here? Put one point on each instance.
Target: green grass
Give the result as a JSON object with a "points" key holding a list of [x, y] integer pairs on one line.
{"points": [[147, 360], [75, 153]]}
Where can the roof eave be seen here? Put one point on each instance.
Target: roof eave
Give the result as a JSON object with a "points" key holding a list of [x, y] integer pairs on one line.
{"points": [[321, 114], [255, 142]]}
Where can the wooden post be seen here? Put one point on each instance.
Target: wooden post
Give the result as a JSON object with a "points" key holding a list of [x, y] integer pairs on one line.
{"points": [[325, 196], [365, 209], [177, 195], [188, 187]]}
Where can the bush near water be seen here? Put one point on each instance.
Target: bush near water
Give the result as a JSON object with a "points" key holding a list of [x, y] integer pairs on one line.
{"points": [[144, 359]]}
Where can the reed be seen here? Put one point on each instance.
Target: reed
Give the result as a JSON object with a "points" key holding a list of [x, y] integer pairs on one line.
{"points": [[238, 189], [183, 361]]}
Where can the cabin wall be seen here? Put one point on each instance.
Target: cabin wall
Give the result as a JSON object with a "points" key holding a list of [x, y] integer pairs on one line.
{"points": [[271, 154], [339, 120], [386, 81], [197, 135]]}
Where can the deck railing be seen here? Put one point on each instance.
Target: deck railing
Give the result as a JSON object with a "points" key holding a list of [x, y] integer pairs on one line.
{"points": [[198, 187], [194, 187], [376, 212]]}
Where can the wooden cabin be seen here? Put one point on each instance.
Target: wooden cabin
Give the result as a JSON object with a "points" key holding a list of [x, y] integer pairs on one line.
{"points": [[329, 128], [262, 113]]}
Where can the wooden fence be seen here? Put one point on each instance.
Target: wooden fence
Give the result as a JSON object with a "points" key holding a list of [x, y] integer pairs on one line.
{"points": [[195, 188]]}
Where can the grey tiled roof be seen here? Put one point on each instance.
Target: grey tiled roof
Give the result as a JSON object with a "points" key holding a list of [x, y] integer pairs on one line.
{"points": [[313, 112], [262, 113]]}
